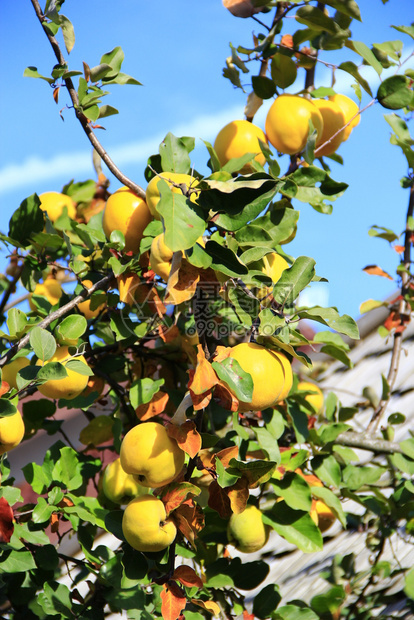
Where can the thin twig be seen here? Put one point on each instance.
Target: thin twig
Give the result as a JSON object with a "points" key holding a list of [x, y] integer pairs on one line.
{"points": [[321, 146], [58, 314], [10, 287], [404, 312], [81, 117]]}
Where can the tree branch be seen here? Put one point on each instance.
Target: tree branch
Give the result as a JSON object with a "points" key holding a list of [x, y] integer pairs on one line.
{"points": [[81, 117], [404, 312], [57, 314], [358, 440]]}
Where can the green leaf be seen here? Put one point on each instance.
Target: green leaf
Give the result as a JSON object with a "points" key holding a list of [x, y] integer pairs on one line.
{"points": [[183, 225], [294, 612], [114, 59], [26, 220], [92, 112], [331, 501], [238, 201], [16, 322], [225, 260], [295, 526], [330, 317], [67, 469], [55, 600], [331, 338], [314, 186], [79, 367], [294, 490], [38, 477], [276, 226], [33, 73], [239, 381], [352, 69], [143, 390], [327, 469], [338, 354], [17, 562], [107, 110], [52, 371], [174, 154], [97, 431], [409, 583], [68, 33], [406, 30], [99, 72], [26, 375], [43, 343], [294, 280], [266, 601], [395, 93], [329, 602], [225, 479], [283, 70], [263, 86], [71, 328], [402, 137], [360, 48], [122, 79], [346, 7], [257, 472], [269, 444], [315, 19], [299, 421], [356, 477], [407, 446], [7, 408]]}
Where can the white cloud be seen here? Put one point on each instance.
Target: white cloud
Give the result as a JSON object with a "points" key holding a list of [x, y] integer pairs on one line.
{"points": [[35, 169]]}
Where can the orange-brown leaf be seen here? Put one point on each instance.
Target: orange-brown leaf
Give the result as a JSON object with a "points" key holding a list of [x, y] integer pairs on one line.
{"points": [[200, 401], [397, 322], [187, 437], [56, 94], [156, 406], [187, 577], [4, 387], [54, 522], [146, 293], [177, 493], [182, 282], [209, 606], [374, 270], [221, 353], [399, 249], [223, 397], [238, 495], [173, 600], [6, 521], [128, 285], [287, 41], [204, 377], [227, 454], [218, 500], [189, 518], [247, 616], [168, 334]]}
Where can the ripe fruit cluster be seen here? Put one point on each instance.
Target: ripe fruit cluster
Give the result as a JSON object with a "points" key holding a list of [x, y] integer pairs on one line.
{"points": [[287, 128]]}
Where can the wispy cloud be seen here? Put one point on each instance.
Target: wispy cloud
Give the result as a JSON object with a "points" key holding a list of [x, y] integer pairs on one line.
{"points": [[36, 169]]}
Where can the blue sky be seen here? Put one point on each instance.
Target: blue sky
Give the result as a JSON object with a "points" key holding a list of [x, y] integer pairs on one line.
{"points": [[177, 50]]}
